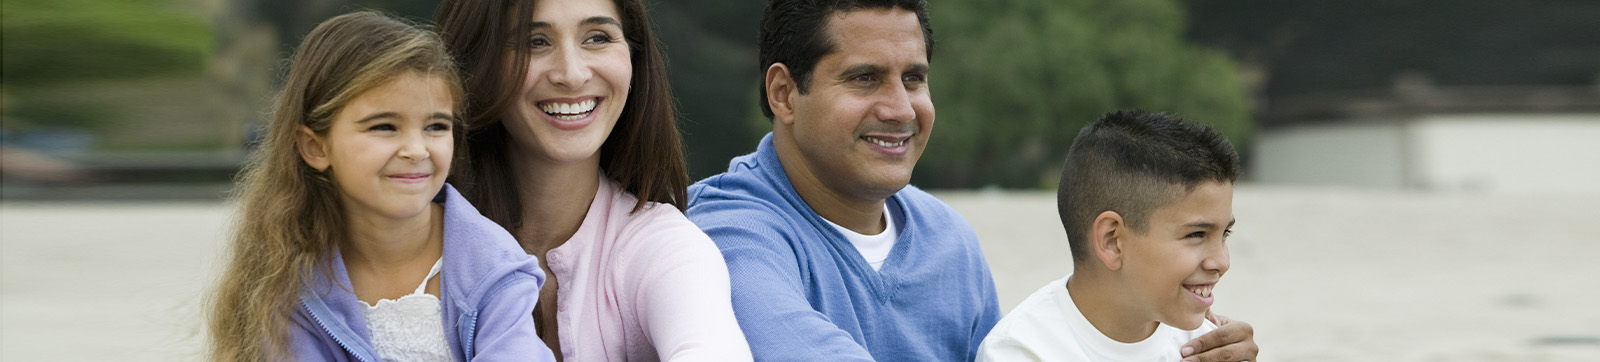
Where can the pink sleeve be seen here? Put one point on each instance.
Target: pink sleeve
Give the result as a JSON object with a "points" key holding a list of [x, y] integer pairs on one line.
{"points": [[682, 293]]}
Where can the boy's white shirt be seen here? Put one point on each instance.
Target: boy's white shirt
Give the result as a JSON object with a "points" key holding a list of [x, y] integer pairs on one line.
{"points": [[1047, 326]]}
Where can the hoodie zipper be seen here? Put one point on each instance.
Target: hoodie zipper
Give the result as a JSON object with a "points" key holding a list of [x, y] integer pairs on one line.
{"points": [[336, 338]]}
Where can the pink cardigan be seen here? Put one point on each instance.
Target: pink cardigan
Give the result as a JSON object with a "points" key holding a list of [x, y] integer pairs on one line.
{"points": [[644, 286]]}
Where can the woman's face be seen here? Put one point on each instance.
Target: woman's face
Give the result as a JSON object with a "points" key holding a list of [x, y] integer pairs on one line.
{"points": [[577, 83]]}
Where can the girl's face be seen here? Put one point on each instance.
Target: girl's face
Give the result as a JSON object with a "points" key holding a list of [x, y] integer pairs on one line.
{"points": [[388, 151], [577, 83]]}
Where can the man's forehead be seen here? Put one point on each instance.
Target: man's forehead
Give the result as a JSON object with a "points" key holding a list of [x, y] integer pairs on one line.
{"points": [[864, 34]]}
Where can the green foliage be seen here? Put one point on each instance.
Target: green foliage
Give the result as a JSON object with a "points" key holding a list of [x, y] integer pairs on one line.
{"points": [[50, 42], [1014, 80]]}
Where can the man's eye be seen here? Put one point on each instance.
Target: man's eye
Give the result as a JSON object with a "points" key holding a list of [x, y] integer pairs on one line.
{"points": [[864, 78], [914, 78]]}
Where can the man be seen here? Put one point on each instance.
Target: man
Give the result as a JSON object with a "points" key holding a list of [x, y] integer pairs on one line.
{"points": [[832, 256]]}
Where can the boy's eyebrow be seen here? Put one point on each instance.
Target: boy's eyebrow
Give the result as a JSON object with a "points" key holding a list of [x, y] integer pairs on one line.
{"points": [[1208, 225]]}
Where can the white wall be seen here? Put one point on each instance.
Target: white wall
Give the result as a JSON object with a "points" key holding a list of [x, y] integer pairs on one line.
{"points": [[1496, 153], [1509, 153], [1365, 155]]}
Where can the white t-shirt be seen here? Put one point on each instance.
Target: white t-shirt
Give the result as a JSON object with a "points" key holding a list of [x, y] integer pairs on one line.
{"points": [[1049, 327], [873, 248]]}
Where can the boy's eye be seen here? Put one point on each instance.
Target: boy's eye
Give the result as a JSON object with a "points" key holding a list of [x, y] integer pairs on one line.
{"points": [[1197, 234], [1227, 233]]}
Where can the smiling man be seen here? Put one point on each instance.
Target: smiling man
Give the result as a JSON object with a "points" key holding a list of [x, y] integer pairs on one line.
{"points": [[831, 254]]}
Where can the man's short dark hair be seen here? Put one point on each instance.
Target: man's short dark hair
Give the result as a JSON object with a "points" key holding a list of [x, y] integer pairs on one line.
{"points": [[794, 32], [1133, 162]]}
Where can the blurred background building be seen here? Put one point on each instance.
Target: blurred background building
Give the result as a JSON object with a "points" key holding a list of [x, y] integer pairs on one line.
{"points": [[104, 95]]}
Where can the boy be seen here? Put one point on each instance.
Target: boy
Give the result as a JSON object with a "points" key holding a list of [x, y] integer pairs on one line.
{"points": [[1147, 202]]}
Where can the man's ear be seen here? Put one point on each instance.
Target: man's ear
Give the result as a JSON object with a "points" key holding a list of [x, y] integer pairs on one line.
{"points": [[781, 92], [1105, 238], [312, 149]]}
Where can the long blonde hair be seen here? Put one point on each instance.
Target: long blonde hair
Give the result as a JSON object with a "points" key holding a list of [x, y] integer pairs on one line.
{"points": [[289, 218]]}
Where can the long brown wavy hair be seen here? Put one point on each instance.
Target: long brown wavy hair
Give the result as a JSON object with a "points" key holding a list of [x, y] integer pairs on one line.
{"points": [[290, 219], [644, 153]]}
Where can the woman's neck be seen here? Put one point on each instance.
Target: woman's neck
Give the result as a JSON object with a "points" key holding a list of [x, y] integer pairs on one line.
{"points": [[555, 199]]}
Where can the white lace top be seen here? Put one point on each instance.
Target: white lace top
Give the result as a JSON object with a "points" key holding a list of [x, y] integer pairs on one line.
{"points": [[410, 328]]}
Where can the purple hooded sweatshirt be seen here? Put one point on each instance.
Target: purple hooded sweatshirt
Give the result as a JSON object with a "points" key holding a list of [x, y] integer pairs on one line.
{"points": [[487, 293]]}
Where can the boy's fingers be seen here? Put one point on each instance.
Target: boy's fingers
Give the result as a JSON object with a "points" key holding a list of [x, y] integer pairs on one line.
{"points": [[1229, 343]]}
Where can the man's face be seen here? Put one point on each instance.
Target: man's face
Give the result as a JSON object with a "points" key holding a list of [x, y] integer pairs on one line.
{"points": [[866, 117]]}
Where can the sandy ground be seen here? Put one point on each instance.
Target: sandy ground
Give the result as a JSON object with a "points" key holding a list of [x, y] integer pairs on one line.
{"points": [[1323, 275]]}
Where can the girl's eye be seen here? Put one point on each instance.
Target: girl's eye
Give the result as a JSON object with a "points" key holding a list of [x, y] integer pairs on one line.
{"points": [[441, 127], [381, 127]]}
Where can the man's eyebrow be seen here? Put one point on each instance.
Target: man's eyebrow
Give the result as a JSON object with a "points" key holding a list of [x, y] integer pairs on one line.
{"points": [[919, 68], [864, 69]]}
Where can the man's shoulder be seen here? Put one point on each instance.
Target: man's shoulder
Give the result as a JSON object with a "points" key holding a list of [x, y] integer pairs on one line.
{"points": [[931, 210]]}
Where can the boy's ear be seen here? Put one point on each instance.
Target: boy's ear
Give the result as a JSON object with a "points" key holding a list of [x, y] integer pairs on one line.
{"points": [[1105, 238], [781, 92], [312, 149]]}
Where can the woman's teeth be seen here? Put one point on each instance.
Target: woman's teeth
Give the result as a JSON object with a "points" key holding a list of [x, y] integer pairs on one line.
{"points": [[1204, 291], [568, 111]]}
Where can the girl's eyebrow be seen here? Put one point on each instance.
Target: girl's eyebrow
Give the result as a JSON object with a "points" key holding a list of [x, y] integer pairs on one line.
{"points": [[378, 116]]}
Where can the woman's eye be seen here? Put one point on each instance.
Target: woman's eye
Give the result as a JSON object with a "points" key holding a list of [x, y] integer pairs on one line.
{"points": [[538, 42], [601, 38]]}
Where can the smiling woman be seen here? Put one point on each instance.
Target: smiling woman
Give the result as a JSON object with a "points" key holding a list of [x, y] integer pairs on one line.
{"points": [[576, 151]]}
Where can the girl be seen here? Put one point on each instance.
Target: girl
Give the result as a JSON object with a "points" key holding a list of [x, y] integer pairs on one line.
{"points": [[349, 245], [577, 154]]}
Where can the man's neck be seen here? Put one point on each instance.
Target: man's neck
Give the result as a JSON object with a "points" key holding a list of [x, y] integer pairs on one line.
{"points": [[1104, 304], [861, 215]]}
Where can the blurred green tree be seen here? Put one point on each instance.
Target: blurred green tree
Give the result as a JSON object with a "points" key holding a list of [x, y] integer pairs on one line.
{"points": [[1014, 80]]}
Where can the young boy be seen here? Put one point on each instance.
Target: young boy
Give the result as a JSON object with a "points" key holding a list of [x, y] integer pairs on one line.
{"points": [[1147, 201]]}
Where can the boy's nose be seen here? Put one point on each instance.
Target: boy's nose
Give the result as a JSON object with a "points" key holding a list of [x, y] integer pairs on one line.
{"points": [[1216, 259]]}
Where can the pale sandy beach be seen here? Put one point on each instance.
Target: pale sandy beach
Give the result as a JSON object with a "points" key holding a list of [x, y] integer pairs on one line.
{"points": [[1323, 275]]}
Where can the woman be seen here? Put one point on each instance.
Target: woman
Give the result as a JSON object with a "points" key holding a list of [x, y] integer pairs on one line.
{"points": [[575, 151]]}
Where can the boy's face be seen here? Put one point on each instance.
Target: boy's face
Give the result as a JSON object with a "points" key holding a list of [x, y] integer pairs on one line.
{"points": [[1172, 267]]}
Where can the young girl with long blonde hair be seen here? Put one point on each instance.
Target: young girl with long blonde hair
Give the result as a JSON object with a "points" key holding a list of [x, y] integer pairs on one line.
{"points": [[349, 245]]}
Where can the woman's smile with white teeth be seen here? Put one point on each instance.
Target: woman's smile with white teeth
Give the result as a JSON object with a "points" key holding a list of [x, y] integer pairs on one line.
{"points": [[569, 111]]}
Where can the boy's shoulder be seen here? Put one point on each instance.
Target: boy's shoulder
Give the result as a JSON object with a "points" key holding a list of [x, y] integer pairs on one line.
{"points": [[1039, 328]]}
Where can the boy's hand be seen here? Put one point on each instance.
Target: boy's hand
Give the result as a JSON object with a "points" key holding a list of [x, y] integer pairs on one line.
{"points": [[1232, 341]]}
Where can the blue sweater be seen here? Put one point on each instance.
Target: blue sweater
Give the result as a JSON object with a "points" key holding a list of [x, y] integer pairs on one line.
{"points": [[488, 287], [802, 292]]}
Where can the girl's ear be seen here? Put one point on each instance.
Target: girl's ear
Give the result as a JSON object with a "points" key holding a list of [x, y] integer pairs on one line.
{"points": [[1105, 238], [312, 149]]}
